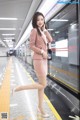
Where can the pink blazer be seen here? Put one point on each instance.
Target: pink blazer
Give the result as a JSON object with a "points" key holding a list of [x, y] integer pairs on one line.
{"points": [[37, 43]]}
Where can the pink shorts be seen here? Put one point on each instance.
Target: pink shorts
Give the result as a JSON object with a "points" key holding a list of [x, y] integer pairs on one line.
{"points": [[40, 67]]}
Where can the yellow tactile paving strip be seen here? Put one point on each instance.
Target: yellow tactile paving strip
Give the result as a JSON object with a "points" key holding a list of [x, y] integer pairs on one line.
{"points": [[5, 93], [21, 117]]}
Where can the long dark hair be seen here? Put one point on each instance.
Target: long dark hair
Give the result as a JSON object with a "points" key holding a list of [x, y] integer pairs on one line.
{"points": [[34, 21]]}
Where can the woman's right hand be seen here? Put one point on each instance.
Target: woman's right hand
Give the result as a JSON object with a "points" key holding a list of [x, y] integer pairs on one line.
{"points": [[45, 56]]}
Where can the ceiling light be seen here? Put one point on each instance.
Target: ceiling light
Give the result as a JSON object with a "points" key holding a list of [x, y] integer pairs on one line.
{"points": [[57, 32], [50, 29], [8, 18], [7, 28], [9, 38], [62, 20], [10, 46], [8, 34]]}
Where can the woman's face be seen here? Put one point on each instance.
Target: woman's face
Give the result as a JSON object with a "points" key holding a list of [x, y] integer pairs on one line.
{"points": [[40, 21]]}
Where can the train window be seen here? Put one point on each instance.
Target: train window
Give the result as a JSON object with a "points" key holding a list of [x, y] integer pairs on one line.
{"points": [[63, 28]]}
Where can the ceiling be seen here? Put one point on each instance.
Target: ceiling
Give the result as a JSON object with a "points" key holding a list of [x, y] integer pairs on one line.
{"points": [[12, 9]]}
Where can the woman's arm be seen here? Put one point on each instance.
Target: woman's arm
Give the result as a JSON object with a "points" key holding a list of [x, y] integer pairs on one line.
{"points": [[33, 37], [48, 36]]}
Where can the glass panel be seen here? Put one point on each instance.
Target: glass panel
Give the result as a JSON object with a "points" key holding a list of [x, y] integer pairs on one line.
{"points": [[64, 65]]}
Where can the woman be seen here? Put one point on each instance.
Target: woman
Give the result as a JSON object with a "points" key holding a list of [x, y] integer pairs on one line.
{"points": [[39, 38]]}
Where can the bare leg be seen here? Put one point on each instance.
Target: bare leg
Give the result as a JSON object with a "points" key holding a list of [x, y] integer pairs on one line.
{"points": [[40, 86], [41, 98], [42, 81], [41, 71], [31, 86]]}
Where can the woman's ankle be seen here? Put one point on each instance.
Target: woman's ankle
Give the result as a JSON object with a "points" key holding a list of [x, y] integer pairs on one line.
{"points": [[41, 110]]}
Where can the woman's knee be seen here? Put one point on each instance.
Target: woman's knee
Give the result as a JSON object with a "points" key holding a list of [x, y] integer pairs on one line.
{"points": [[42, 81], [44, 85]]}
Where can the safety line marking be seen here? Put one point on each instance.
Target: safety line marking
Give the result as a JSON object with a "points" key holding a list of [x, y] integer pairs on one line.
{"points": [[5, 93]]}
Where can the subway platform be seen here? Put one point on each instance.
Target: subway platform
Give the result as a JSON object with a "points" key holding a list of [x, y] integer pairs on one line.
{"points": [[21, 105]]}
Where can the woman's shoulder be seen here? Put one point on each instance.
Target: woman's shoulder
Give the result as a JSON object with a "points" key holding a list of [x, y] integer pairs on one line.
{"points": [[34, 30]]}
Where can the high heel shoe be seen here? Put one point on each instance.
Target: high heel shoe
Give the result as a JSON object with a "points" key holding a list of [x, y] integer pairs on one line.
{"points": [[44, 115]]}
